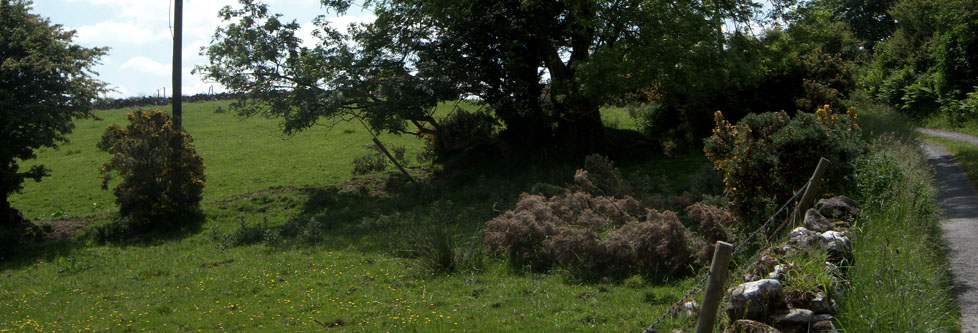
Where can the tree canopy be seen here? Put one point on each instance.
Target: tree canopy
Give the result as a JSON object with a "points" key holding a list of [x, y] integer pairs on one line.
{"points": [[543, 67], [45, 82]]}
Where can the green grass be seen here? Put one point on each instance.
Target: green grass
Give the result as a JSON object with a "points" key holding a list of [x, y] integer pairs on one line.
{"points": [[941, 121], [899, 281], [354, 275]]}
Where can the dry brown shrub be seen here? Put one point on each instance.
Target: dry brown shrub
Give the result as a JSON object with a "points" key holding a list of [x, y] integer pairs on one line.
{"points": [[671, 202], [660, 244], [590, 236], [713, 223]]}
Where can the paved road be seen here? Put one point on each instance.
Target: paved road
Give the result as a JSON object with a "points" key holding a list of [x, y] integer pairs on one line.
{"points": [[960, 224]]}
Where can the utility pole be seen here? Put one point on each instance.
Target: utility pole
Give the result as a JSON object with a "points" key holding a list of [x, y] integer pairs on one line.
{"points": [[177, 63]]}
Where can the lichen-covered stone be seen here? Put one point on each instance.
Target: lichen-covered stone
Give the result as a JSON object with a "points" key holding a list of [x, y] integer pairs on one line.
{"points": [[838, 208], [802, 237], [755, 300], [816, 222], [794, 317], [822, 304], [838, 246], [823, 326]]}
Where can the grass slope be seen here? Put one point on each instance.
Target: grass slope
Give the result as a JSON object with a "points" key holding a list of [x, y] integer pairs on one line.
{"points": [[351, 278]]}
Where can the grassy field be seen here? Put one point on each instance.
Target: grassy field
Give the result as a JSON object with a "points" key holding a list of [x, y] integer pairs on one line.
{"points": [[353, 277]]}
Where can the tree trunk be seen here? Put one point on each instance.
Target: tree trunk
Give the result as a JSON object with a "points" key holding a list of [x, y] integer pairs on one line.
{"points": [[12, 219], [580, 132]]}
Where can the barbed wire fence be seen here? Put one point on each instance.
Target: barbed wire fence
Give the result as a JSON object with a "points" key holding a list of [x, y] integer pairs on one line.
{"points": [[740, 247]]}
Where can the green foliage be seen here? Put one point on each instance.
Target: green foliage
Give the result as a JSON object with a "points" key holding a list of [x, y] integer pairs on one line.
{"points": [[928, 67], [766, 156], [462, 130], [393, 71], [45, 82], [162, 175], [374, 161]]}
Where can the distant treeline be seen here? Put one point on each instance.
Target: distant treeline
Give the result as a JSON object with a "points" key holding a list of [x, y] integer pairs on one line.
{"points": [[113, 103]]}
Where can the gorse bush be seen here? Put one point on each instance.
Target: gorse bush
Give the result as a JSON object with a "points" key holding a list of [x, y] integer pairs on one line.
{"points": [[162, 177], [766, 156], [591, 236]]}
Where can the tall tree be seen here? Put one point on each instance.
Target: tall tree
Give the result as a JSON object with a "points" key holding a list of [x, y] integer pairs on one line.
{"points": [[45, 82], [543, 66]]}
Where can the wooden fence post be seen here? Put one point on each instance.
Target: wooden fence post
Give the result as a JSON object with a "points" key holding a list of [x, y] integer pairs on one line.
{"points": [[714, 288], [808, 198]]}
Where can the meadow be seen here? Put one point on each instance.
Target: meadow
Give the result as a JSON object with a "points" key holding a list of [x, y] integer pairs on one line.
{"points": [[355, 262], [355, 275]]}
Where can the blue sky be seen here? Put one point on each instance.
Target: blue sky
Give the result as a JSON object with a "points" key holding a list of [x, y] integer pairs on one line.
{"points": [[138, 33]]}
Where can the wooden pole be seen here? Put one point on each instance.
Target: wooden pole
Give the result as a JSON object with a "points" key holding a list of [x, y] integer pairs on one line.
{"points": [[714, 288], [177, 63]]}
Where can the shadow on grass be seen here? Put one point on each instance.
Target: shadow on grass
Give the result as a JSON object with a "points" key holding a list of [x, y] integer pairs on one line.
{"points": [[120, 233]]}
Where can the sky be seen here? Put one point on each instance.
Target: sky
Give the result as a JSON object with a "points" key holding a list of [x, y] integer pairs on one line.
{"points": [[139, 61]]}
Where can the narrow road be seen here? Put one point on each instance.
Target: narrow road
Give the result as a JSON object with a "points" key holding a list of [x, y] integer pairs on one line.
{"points": [[960, 224]]}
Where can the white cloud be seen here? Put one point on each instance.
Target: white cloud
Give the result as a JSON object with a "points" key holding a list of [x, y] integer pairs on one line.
{"points": [[112, 32], [341, 23], [118, 91], [147, 65]]}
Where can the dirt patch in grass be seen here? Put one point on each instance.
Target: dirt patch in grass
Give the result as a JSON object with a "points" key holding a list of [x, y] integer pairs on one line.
{"points": [[63, 228]]}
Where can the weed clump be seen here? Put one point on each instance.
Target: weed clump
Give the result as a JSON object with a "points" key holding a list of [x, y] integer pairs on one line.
{"points": [[433, 242], [245, 234]]}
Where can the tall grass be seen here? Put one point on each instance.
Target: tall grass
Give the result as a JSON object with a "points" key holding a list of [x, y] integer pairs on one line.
{"points": [[899, 282]]}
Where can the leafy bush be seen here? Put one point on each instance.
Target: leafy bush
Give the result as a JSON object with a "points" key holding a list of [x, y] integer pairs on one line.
{"points": [[162, 175], [765, 156], [370, 163], [376, 161], [462, 130], [590, 236]]}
